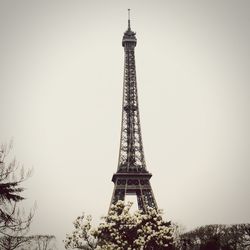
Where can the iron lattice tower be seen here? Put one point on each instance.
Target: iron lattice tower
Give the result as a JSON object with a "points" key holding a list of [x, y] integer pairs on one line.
{"points": [[132, 176]]}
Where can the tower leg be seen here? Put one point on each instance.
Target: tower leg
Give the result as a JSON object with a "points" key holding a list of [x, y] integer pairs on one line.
{"points": [[149, 198], [145, 199], [118, 194], [140, 201]]}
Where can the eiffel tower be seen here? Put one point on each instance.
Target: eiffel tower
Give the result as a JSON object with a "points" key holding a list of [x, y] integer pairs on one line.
{"points": [[132, 177]]}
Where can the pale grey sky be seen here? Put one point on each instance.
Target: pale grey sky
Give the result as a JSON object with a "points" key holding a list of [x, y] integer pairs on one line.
{"points": [[61, 72]]}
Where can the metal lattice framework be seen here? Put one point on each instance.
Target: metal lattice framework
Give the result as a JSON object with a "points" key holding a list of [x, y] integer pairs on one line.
{"points": [[131, 156], [132, 176]]}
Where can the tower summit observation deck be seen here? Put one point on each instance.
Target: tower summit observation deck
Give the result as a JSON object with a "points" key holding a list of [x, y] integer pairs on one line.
{"points": [[132, 177]]}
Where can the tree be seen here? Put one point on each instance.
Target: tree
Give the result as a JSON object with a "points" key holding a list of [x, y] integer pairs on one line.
{"points": [[9, 242], [82, 237], [122, 230], [14, 223], [43, 242], [224, 237], [178, 231], [33, 242]]}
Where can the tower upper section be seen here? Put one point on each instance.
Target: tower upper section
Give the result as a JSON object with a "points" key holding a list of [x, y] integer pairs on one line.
{"points": [[129, 40], [131, 155]]}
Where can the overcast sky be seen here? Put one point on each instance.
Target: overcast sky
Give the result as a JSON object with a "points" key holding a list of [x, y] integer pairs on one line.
{"points": [[61, 74]]}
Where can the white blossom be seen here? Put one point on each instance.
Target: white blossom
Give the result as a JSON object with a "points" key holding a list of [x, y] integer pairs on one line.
{"points": [[122, 230]]}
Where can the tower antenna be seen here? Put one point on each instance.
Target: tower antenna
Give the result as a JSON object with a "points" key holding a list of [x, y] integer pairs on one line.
{"points": [[129, 19]]}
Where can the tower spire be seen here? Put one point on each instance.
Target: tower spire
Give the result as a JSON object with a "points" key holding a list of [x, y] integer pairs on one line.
{"points": [[129, 19]]}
